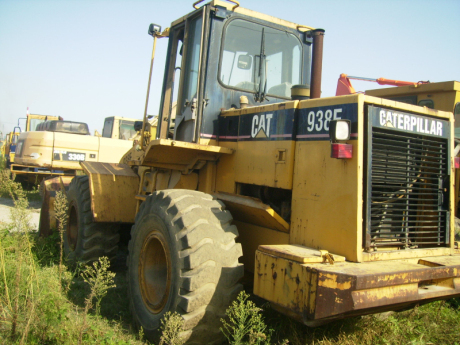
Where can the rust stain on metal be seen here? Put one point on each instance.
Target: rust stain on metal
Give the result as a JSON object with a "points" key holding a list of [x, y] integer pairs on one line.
{"points": [[331, 281]]}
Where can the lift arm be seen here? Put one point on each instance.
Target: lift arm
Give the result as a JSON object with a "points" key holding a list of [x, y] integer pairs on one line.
{"points": [[344, 86]]}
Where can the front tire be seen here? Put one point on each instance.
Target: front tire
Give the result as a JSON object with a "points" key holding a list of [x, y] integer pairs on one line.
{"points": [[84, 240], [183, 258]]}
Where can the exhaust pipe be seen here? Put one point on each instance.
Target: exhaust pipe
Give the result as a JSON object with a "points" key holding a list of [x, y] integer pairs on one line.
{"points": [[317, 63]]}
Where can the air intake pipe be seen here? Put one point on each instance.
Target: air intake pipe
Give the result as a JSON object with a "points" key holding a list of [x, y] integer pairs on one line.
{"points": [[317, 63]]}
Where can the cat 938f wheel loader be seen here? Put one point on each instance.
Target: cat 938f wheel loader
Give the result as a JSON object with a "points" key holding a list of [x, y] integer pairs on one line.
{"points": [[335, 206]]}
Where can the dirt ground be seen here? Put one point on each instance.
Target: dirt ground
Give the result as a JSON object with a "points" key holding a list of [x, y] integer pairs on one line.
{"points": [[6, 204]]}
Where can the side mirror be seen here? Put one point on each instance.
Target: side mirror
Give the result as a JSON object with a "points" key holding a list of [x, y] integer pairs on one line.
{"points": [[244, 62], [154, 29], [138, 125]]}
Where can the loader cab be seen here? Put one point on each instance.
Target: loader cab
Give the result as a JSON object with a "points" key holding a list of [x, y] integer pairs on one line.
{"points": [[220, 52], [117, 127]]}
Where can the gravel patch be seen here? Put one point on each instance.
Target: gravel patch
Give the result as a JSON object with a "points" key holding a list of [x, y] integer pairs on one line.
{"points": [[6, 204]]}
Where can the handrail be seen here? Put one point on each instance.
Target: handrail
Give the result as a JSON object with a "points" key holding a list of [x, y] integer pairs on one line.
{"points": [[237, 4]]}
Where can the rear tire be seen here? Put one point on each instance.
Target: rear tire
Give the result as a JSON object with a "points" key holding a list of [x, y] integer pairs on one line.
{"points": [[183, 258], [84, 240]]}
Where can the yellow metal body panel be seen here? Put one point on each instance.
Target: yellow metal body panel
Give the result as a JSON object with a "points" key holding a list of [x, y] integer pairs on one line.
{"points": [[113, 190], [323, 185], [39, 149], [265, 162], [264, 167], [207, 178], [48, 193], [251, 237], [179, 155], [253, 211], [326, 198], [298, 253], [111, 150], [316, 292], [285, 283], [225, 170]]}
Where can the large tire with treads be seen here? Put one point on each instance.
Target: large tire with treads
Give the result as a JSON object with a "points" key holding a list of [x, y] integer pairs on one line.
{"points": [[183, 258], [84, 240]]}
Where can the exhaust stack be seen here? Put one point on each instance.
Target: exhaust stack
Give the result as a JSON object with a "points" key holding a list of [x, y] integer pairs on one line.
{"points": [[317, 63]]}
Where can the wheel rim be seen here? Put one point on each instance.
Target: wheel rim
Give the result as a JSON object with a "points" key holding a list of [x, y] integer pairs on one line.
{"points": [[154, 272], [72, 227]]}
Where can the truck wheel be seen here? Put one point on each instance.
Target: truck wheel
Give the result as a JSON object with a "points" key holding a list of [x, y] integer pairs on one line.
{"points": [[183, 258], [84, 240]]}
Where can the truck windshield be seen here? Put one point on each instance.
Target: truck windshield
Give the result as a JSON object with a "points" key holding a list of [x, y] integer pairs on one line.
{"points": [[241, 58]]}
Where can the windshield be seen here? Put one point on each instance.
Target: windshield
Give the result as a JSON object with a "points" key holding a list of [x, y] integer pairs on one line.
{"points": [[241, 58], [34, 123], [127, 130]]}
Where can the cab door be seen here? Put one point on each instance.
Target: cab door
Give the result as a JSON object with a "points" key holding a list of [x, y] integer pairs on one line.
{"points": [[181, 105]]}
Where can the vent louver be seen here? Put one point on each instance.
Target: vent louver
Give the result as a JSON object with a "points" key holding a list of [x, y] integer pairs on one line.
{"points": [[407, 190]]}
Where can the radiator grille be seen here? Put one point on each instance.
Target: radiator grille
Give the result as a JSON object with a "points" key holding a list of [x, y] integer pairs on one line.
{"points": [[408, 190]]}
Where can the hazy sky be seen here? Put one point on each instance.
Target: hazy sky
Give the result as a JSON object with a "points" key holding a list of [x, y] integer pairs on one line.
{"points": [[89, 59]]}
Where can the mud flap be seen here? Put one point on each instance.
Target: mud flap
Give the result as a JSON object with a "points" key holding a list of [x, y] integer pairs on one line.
{"points": [[48, 189], [113, 191]]}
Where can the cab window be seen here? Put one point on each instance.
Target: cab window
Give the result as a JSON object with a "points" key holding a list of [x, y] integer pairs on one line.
{"points": [[426, 103], [244, 43], [192, 63], [127, 130], [34, 123], [457, 120], [107, 130]]}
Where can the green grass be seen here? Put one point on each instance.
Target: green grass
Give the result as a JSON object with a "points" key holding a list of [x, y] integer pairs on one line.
{"points": [[54, 317], [35, 307], [434, 323]]}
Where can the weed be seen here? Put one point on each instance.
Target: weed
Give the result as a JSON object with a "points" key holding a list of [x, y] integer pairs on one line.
{"points": [[245, 323], [61, 207], [20, 215], [100, 279], [33, 307], [172, 325]]}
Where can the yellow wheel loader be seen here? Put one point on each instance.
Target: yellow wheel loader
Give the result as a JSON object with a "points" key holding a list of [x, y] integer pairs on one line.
{"points": [[333, 207]]}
